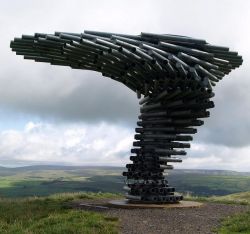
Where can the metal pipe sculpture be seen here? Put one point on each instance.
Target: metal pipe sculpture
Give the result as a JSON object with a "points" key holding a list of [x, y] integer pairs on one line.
{"points": [[175, 74]]}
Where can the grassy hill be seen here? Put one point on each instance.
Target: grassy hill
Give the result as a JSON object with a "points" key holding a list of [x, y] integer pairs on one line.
{"points": [[47, 180], [50, 215], [242, 198], [209, 182], [233, 224], [237, 223]]}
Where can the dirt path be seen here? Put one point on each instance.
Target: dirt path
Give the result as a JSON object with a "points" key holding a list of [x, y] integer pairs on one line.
{"points": [[185, 221]]}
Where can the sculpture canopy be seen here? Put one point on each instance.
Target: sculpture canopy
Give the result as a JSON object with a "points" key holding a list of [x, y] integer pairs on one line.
{"points": [[142, 62], [174, 73]]}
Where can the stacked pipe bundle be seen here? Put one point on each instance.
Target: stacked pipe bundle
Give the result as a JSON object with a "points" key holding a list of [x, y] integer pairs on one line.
{"points": [[175, 74]]}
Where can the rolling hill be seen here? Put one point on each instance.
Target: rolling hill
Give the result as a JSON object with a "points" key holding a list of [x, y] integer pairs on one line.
{"points": [[48, 179]]}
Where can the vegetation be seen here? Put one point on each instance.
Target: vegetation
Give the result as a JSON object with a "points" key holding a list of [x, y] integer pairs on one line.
{"points": [[233, 224], [53, 187], [236, 224], [47, 180], [51, 215], [208, 184], [236, 198]]}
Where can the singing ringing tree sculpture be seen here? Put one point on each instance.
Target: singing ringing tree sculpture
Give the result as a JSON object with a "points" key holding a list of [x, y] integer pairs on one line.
{"points": [[176, 76]]}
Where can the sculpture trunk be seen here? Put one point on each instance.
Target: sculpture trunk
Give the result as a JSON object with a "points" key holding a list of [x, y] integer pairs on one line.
{"points": [[165, 124]]}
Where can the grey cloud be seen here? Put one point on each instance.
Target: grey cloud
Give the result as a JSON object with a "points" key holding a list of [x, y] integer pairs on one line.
{"points": [[229, 123], [213, 156], [68, 95]]}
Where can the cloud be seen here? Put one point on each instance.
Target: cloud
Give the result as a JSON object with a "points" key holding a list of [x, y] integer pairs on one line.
{"points": [[59, 95], [212, 156], [101, 144], [229, 124], [45, 143], [66, 96]]}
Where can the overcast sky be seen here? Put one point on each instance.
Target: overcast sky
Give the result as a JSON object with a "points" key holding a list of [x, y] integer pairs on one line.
{"points": [[55, 115]]}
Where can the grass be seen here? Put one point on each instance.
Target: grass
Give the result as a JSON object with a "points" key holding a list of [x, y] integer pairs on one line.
{"points": [[51, 215], [47, 180], [207, 185], [82, 195], [236, 224], [40, 181], [236, 198]]}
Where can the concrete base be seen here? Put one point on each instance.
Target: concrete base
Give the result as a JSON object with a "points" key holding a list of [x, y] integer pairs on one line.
{"points": [[125, 204]]}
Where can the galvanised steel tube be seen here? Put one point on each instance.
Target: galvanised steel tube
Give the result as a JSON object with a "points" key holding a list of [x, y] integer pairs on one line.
{"points": [[172, 75]]}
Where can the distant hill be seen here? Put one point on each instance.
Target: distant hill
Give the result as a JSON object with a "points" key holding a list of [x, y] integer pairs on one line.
{"points": [[241, 197], [118, 169], [209, 172], [66, 168], [43, 180]]}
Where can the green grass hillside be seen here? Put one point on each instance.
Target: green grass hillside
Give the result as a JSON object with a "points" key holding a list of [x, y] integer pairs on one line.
{"points": [[238, 223], [208, 183], [51, 215], [234, 224], [243, 197], [47, 180], [235, 198]]}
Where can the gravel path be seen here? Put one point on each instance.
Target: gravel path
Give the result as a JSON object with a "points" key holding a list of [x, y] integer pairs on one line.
{"points": [[185, 221]]}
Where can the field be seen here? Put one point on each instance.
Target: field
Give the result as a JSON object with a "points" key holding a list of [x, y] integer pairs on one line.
{"points": [[208, 183], [33, 199], [233, 224], [51, 215], [242, 198], [47, 180], [237, 223]]}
